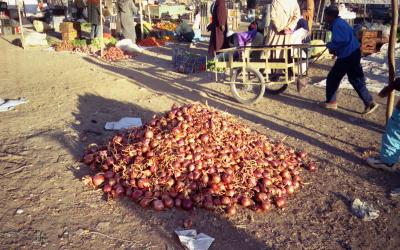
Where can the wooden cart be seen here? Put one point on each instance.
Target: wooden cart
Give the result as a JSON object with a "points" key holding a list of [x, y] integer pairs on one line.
{"points": [[252, 71]]}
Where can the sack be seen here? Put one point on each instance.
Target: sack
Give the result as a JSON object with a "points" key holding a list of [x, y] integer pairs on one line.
{"points": [[35, 39]]}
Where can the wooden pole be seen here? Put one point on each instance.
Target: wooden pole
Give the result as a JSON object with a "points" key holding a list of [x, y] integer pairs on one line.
{"points": [[391, 58], [141, 19], [20, 24], [310, 14], [101, 29], [148, 11]]}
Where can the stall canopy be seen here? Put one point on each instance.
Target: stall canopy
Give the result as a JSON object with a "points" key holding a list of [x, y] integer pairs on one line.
{"points": [[367, 1]]}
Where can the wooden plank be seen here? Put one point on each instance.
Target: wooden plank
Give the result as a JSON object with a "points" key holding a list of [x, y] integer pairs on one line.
{"points": [[391, 56]]}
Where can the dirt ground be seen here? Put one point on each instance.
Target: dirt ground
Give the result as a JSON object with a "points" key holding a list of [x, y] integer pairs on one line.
{"points": [[45, 204]]}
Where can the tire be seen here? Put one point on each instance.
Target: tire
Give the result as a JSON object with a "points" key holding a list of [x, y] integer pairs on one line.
{"points": [[275, 89], [254, 92]]}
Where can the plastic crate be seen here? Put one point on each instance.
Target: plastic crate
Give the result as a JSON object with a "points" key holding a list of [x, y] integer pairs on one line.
{"points": [[186, 62]]}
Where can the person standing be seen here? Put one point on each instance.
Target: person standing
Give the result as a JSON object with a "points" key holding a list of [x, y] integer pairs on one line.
{"points": [[251, 10], [80, 6], [218, 27], [126, 10], [94, 17], [390, 146], [346, 48], [284, 17]]}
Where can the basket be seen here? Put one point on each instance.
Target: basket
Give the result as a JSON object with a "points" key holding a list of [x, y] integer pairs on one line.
{"points": [[186, 62]]}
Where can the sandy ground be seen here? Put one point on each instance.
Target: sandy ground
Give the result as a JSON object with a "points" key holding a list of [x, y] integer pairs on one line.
{"points": [[70, 99]]}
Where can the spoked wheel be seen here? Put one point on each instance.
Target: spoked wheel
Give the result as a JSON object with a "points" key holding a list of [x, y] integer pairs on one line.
{"points": [[251, 91]]}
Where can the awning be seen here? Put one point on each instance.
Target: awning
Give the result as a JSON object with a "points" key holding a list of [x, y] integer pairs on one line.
{"points": [[367, 1]]}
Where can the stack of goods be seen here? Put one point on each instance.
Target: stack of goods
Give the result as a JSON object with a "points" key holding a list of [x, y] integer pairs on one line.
{"points": [[197, 156], [151, 42], [70, 31], [167, 26]]}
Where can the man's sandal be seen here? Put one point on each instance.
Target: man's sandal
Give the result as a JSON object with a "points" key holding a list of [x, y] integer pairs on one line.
{"points": [[378, 164]]}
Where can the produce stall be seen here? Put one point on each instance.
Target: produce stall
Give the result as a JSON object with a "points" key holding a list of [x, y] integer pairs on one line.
{"points": [[160, 10]]}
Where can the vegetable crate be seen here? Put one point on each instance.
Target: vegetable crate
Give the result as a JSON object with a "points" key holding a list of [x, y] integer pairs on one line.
{"points": [[186, 62]]}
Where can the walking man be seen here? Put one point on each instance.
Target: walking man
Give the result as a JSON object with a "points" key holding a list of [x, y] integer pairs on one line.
{"points": [[346, 48]]}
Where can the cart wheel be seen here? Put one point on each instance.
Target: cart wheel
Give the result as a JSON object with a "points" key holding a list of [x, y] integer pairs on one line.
{"points": [[275, 89], [247, 93]]}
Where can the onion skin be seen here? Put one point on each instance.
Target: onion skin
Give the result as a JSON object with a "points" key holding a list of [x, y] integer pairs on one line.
{"points": [[98, 180]]}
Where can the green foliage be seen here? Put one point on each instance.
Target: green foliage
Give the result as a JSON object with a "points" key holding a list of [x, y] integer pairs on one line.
{"points": [[79, 42], [211, 67], [107, 42]]}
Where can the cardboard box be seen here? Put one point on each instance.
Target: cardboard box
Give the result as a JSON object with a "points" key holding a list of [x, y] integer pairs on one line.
{"points": [[69, 36]]}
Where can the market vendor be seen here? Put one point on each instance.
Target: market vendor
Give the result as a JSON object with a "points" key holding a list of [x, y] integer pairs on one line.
{"points": [[126, 10], [94, 17], [184, 32]]}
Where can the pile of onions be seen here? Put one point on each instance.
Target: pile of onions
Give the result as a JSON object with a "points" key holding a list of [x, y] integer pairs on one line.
{"points": [[196, 156], [113, 54]]}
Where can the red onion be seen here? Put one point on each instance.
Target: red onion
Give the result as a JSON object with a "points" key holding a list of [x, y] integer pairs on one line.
{"points": [[98, 180], [187, 204], [158, 205]]}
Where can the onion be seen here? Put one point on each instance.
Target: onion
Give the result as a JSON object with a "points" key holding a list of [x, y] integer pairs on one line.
{"points": [[112, 181], [262, 197], [178, 202], [216, 178], [187, 204], [225, 200], [302, 154], [107, 188], [119, 190], [280, 202], [98, 180], [109, 174], [168, 202], [158, 205], [265, 206], [148, 134], [145, 202], [246, 202], [312, 167], [143, 183], [230, 193], [231, 210], [136, 194], [290, 190]]}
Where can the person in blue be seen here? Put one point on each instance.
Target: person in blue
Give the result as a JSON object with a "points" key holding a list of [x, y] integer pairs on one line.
{"points": [[390, 145], [346, 48]]}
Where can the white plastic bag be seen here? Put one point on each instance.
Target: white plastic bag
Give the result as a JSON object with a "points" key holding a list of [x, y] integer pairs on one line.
{"points": [[128, 46], [33, 38]]}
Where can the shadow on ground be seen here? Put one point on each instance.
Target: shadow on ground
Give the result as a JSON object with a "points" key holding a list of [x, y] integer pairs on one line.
{"points": [[94, 112]]}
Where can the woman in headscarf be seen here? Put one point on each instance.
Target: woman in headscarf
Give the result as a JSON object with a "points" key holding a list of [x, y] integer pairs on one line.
{"points": [[126, 10], [218, 27], [94, 17]]}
